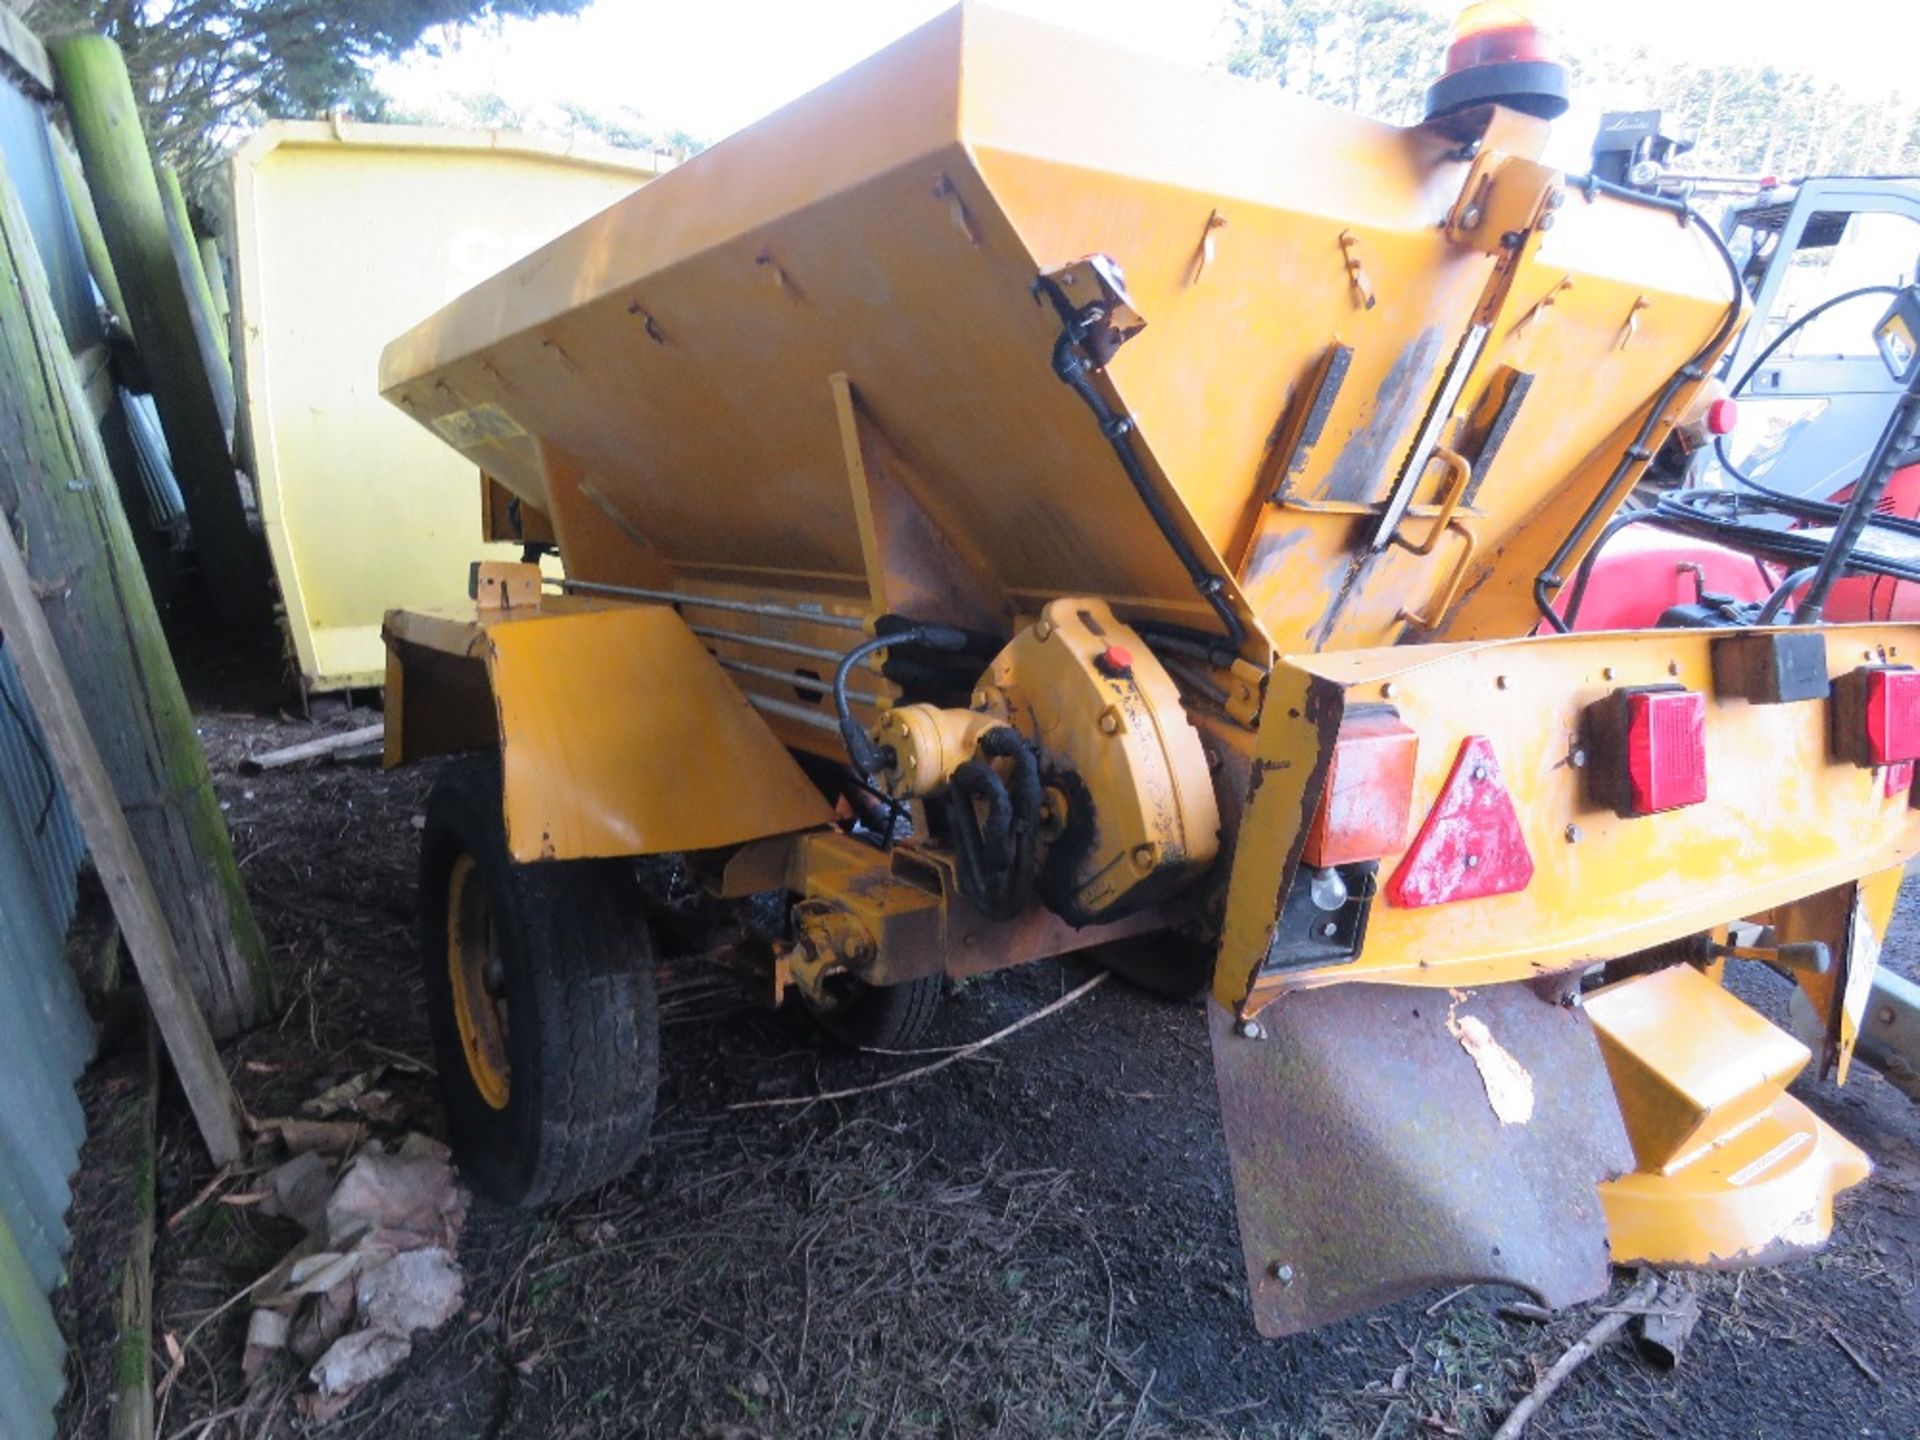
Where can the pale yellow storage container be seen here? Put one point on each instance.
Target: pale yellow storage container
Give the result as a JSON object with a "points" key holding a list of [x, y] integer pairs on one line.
{"points": [[344, 235]]}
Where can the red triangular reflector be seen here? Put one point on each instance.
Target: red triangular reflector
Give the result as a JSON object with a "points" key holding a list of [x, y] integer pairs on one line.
{"points": [[1470, 844]]}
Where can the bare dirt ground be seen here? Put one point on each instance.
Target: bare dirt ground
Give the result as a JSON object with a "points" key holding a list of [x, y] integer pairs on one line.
{"points": [[1038, 1241]]}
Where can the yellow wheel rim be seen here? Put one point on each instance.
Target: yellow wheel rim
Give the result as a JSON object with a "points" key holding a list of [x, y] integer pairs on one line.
{"points": [[478, 976]]}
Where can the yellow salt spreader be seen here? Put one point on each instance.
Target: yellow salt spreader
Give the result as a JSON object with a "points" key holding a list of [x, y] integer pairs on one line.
{"points": [[1026, 498]]}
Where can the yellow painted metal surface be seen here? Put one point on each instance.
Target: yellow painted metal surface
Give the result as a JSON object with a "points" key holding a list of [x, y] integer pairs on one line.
{"points": [[618, 733], [1782, 819], [342, 235], [1729, 1169], [657, 380], [1765, 1193], [1690, 1064], [1852, 922]]}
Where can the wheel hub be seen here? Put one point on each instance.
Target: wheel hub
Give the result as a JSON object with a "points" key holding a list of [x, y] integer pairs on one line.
{"points": [[477, 975]]}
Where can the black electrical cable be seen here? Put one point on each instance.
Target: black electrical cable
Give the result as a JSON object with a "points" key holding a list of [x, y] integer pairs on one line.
{"points": [[1797, 504], [1072, 365], [861, 750], [1693, 371]]}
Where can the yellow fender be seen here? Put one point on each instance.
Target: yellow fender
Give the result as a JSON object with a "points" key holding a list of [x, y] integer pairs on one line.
{"points": [[618, 734]]}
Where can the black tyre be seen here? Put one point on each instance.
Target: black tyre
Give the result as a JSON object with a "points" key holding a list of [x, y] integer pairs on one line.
{"points": [[1166, 963], [878, 1017], [540, 994]]}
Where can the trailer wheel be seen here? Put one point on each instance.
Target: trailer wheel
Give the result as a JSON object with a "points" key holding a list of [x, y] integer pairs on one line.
{"points": [[540, 996], [878, 1017], [1165, 963]]}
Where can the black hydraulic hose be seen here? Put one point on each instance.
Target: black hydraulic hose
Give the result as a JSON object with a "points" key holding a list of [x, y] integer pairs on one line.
{"points": [[997, 859], [1581, 577], [861, 750], [1004, 742], [1777, 601], [1637, 453], [1699, 512], [988, 847], [1182, 641], [1070, 364]]}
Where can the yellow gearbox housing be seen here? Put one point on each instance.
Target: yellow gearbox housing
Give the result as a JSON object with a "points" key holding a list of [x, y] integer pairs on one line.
{"points": [[1129, 770]]}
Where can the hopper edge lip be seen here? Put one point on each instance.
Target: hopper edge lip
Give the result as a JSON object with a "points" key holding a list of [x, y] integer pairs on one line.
{"points": [[287, 134]]}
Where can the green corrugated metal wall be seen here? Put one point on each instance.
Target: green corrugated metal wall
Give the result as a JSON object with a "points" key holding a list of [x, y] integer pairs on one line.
{"points": [[45, 1037], [45, 1041]]}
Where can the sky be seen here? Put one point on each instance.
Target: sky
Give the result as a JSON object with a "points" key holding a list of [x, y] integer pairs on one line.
{"points": [[709, 67]]}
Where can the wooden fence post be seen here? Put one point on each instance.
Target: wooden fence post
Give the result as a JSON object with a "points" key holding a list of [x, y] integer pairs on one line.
{"points": [[126, 194], [58, 493]]}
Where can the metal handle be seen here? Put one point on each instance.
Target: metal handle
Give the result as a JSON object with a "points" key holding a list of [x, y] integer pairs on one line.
{"points": [[1459, 476], [1452, 592]]}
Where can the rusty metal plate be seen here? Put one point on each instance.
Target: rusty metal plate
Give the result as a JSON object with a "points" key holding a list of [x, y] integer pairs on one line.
{"points": [[1370, 1163]]}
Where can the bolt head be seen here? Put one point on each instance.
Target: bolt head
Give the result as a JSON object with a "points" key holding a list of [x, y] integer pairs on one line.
{"points": [[1471, 217], [1573, 834], [1577, 758], [1281, 1272], [1251, 1030], [1472, 862]]}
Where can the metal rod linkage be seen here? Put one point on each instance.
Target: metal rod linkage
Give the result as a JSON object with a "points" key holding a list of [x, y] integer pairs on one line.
{"points": [[799, 681], [715, 602], [767, 642], [788, 710]]}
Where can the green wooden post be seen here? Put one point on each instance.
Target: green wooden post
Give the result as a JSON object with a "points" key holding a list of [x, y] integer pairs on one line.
{"points": [[65, 510], [133, 217], [206, 313], [87, 220]]}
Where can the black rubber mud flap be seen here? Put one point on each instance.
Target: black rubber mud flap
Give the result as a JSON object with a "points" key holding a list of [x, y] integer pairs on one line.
{"points": [[1371, 1160]]}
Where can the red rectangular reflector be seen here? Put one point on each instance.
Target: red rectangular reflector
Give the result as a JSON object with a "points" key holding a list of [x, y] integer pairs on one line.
{"points": [[1363, 811], [1893, 716], [1874, 718], [1666, 750]]}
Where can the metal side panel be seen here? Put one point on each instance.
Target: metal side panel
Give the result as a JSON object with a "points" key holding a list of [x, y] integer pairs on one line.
{"points": [[620, 735], [1386, 1140]]}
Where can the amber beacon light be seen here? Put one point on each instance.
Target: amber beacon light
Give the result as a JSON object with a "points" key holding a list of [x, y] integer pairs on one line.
{"points": [[1503, 53]]}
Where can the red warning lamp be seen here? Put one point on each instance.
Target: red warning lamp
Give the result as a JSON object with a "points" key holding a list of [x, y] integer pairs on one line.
{"points": [[1722, 415], [1666, 750], [1502, 54], [1876, 715], [1369, 790], [1648, 750]]}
